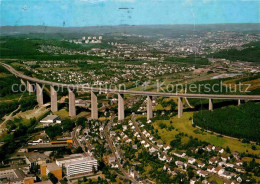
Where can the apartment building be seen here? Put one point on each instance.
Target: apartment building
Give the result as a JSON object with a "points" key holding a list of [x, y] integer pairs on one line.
{"points": [[77, 165]]}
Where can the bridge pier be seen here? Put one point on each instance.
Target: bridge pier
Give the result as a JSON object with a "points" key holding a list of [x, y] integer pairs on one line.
{"points": [[22, 82], [210, 105], [39, 94], [239, 102], [94, 106], [29, 87], [149, 107], [54, 104], [121, 108], [180, 107], [72, 107]]}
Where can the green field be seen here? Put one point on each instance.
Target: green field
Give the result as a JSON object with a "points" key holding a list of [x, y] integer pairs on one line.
{"points": [[184, 124]]}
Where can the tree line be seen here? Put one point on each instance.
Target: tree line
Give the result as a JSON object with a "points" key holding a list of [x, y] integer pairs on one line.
{"points": [[242, 121], [251, 53], [26, 104]]}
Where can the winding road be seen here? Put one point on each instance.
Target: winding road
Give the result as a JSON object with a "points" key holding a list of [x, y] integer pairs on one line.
{"points": [[113, 149]]}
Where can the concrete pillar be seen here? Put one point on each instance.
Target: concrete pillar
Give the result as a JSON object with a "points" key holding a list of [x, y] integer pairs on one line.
{"points": [[149, 107], [72, 107], [54, 104], [22, 82], [239, 102], [39, 94], [29, 87], [210, 105], [180, 107], [121, 108], [94, 106], [187, 102]]}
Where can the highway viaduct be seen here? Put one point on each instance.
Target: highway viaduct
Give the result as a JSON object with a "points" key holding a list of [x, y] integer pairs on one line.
{"points": [[119, 92]]}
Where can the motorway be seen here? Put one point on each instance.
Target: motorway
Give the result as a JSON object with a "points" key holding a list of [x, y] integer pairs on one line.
{"points": [[131, 92]]}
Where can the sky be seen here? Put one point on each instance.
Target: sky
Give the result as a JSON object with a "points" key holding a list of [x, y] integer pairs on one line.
{"points": [[78, 13]]}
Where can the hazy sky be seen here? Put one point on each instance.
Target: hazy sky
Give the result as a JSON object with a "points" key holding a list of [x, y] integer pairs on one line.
{"points": [[132, 12]]}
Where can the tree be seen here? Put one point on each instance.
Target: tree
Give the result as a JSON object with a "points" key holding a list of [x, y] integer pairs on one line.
{"points": [[94, 169], [228, 150], [85, 179], [190, 172], [34, 168], [53, 178], [78, 150], [245, 119], [53, 131], [81, 122], [67, 125], [253, 147], [162, 125]]}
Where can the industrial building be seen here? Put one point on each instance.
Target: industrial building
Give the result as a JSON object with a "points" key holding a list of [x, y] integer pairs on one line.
{"points": [[50, 119]]}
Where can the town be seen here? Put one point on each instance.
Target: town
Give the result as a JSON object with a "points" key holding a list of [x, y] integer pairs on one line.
{"points": [[127, 103]]}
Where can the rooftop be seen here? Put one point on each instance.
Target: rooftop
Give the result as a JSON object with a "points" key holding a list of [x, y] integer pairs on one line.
{"points": [[52, 167], [85, 159], [69, 157], [49, 118]]}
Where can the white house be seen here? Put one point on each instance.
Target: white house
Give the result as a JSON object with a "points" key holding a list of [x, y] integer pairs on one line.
{"points": [[213, 160], [166, 147], [202, 173], [152, 150], [191, 160], [177, 154], [147, 145], [124, 127], [211, 169], [201, 165]]}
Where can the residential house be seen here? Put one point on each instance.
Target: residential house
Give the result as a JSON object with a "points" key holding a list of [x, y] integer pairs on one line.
{"points": [[179, 154], [202, 173], [201, 165], [213, 160], [211, 169], [191, 160]]}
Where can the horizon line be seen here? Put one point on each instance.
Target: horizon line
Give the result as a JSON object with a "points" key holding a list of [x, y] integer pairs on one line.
{"points": [[126, 25]]}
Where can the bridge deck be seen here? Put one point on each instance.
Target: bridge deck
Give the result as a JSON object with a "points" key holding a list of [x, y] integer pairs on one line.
{"points": [[132, 92]]}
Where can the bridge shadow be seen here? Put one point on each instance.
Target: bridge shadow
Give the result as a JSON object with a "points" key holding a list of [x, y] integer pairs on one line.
{"points": [[46, 97], [217, 104]]}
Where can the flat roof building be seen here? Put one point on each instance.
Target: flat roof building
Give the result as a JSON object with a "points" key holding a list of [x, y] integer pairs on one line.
{"points": [[51, 168], [11, 175], [50, 119], [77, 164], [34, 158]]}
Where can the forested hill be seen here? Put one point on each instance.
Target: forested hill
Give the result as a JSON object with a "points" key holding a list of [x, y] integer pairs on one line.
{"points": [[250, 52], [149, 30], [241, 121]]}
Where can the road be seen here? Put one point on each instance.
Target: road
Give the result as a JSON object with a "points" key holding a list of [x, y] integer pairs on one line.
{"points": [[113, 149], [9, 117], [11, 114], [132, 92], [144, 138], [76, 142]]}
